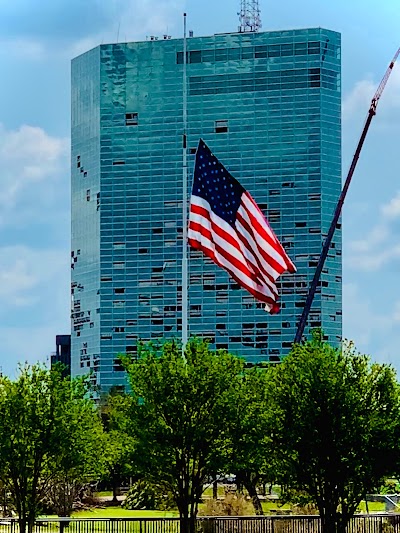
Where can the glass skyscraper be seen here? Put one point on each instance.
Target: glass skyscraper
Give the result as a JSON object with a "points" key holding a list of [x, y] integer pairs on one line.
{"points": [[269, 107]]}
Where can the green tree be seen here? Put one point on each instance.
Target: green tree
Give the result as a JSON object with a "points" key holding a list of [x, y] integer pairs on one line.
{"points": [[81, 458], [37, 411], [118, 445], [337, 427], [181, 416], [250, 457]]}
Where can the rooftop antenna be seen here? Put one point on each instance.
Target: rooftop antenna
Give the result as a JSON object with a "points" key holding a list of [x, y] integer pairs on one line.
{"points": [[249, 16]]}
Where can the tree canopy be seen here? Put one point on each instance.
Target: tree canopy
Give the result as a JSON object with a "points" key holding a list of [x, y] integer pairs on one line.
{"points": [[181, 416], [47, 429], [337, 426]]}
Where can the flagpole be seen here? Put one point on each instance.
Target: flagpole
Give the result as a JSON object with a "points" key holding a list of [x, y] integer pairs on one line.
{"points": [[185, 197]]}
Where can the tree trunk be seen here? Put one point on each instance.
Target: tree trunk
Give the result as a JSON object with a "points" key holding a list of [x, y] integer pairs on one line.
{"points": [[22, 524], [31, 522], [215, 489], [251, 489], [115, 488], [332, 521], [188, 520]]}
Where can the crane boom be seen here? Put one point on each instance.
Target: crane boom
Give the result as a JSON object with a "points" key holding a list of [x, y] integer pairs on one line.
{"points": [[383, 83], [338, 210]]}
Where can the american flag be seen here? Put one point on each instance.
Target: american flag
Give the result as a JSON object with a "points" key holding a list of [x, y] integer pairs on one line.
{"points": [[227, 225]]}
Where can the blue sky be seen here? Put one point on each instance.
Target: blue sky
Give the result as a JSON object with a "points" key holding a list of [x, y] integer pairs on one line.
{"points": [[37, 42]]}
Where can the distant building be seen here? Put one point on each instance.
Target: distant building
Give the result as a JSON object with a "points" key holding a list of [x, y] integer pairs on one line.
{"points": [[63, 353], [268, 105]]}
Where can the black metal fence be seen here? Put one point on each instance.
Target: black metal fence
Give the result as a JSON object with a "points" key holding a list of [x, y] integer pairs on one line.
{"points": [[375, 523]]}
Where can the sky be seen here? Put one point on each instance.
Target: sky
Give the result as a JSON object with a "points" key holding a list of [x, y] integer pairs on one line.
{"points": [[38, 39]]}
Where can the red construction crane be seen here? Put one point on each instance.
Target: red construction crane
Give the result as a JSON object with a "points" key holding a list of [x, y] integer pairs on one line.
{"points": [[338, 210]]}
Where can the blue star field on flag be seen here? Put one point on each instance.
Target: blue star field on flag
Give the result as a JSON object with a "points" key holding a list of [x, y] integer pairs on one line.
{"points": [[214, 183]]}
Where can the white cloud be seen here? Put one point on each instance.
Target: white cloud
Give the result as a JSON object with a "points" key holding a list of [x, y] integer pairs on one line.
{"points": [[124, 22], [391, 210], [358, 100], [360, 320], [28, 344], [25, 272], [381, 244], [31, 161], [378, 235], [371, 325], [22, 48], [139, 20], [34, 303]]}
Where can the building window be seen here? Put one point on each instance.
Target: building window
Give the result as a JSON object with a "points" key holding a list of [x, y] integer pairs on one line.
{"points": [[118, 365], [221, 126], [131, 119], [119, 265]]}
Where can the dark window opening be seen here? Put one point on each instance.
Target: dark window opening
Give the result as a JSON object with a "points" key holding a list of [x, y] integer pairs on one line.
{"points": [[118, 365], [143, 251], [119, 290], [118, 162], [221, 126], [312, 197], [131, 119], [300, 224]]}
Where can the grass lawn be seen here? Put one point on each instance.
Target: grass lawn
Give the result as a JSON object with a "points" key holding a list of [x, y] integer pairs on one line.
{"points": [[373, 507], [208, 492], [268, 505], [119, 512]]}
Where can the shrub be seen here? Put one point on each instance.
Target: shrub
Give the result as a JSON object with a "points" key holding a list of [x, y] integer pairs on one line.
{"points": [[231, 505]]}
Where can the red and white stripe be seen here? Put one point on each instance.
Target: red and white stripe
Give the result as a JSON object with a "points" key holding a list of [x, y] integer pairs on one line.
{"points": [[250, 251]]}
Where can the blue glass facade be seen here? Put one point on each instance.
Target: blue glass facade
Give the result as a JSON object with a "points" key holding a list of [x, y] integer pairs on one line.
{"points": [[269, 106]]}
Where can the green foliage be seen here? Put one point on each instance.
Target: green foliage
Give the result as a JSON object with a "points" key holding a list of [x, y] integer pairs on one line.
{"points": [[118, 445], [251, 442], [337, 426], [141, 495], [181, 417], [47, 426], [145, 495]]}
